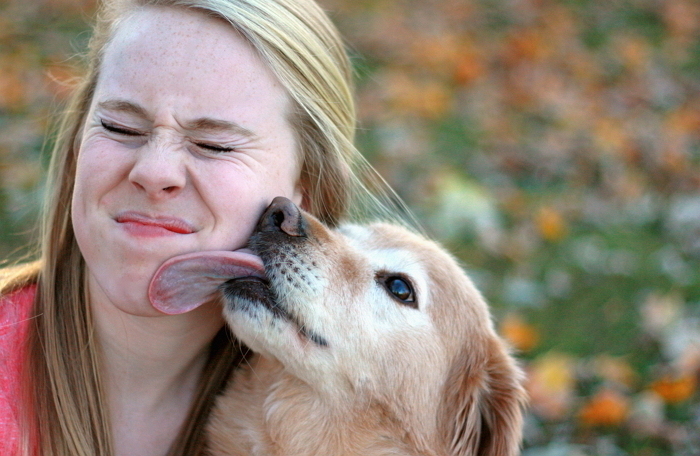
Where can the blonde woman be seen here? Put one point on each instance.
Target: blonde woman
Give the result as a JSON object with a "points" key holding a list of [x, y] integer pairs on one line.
{"points": [[192, 116]]}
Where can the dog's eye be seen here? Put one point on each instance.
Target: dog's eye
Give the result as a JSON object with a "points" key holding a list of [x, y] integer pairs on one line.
{"points": [[400, 289]]}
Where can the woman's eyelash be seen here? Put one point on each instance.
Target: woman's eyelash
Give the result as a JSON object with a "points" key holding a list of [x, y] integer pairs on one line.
{"points": [[214, 148], [122, 131]]}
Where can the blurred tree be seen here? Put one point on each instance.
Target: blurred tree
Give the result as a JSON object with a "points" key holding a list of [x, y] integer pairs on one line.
{"points": [[553, 145]]}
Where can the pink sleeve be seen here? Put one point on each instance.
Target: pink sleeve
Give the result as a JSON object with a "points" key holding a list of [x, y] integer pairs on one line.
{"points": [[14, 313]]}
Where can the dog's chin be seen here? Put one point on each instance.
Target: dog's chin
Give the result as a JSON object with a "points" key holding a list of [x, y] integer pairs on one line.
{"points": [[250, 295], [258, 318]]}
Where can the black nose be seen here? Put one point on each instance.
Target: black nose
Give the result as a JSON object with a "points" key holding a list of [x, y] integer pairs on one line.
{"points": [[283, 215]]}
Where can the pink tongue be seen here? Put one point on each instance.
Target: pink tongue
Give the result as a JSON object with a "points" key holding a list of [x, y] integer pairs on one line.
{"points": [[185, 282]]}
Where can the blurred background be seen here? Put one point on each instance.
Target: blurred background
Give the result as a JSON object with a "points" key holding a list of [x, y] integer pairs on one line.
{"points": [[552, 145]]}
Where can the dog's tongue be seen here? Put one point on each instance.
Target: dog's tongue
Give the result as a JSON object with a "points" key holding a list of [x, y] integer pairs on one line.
{"points": [[185, 282]]}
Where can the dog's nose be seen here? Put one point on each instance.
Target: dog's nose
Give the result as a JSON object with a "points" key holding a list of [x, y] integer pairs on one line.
{"points": [[283, 215]]}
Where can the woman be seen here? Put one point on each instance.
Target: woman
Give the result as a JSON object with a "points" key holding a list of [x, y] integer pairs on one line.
{"points": [[192, 116]]}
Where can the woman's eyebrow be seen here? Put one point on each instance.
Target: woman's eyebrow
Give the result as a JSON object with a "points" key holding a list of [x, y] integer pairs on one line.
{"points": [[123, 106], [219, 126]]}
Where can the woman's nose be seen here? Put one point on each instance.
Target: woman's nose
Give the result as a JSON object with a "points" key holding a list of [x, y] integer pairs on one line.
{"points": [[159, 169]]}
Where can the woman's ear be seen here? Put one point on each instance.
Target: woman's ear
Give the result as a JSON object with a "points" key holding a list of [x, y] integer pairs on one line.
{"points": [[482, 409]]}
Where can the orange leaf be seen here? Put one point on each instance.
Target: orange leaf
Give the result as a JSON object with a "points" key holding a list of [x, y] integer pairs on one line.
{"points": [[429, 99], [606, 408], [521, 335], [674, 389], [550, 224], [12, 89], [683, 121], [527, 44], [469, 68]]}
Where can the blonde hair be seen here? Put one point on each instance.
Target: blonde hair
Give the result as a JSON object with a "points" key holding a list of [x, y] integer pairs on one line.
{"points": [[297, 41]]}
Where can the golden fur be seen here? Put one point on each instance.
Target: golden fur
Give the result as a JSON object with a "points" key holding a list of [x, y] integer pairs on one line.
{"points": [[349, 370]]}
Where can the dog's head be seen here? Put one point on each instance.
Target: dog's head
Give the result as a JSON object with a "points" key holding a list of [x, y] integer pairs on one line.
{"points": [[376, 316]]}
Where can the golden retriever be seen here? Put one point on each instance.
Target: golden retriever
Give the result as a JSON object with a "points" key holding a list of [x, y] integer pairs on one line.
{"points": [[369, 340]]}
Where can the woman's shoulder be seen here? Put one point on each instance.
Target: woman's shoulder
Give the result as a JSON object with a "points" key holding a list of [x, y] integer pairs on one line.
{"points": [[17, 290], [15, 307], [15, 312], [16, 302]]}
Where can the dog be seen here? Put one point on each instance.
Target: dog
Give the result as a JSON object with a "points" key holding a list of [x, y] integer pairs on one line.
{"points": [[368, 340]]}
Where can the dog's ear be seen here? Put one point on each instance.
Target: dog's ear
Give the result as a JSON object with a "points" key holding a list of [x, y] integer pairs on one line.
{"points": [[482, 409]]}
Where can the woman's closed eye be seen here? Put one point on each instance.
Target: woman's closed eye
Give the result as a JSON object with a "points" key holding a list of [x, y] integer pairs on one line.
{"points": [[124, 131], [119, 129], [214, 147]]}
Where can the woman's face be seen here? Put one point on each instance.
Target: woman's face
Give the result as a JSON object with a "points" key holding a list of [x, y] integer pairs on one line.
{"points": [[186, 142]]}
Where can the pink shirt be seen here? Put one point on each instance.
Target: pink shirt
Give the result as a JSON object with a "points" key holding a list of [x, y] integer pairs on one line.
{"points": [[15, 309]]}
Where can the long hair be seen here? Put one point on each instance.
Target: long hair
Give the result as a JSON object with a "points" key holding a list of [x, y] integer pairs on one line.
{"points": [[65, 399]]}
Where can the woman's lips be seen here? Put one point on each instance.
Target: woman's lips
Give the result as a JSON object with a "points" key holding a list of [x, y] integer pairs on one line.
{"points": [[144, 225]]}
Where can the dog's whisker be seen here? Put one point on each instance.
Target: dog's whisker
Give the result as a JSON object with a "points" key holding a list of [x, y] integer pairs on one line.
{"points": [[246, 360]]}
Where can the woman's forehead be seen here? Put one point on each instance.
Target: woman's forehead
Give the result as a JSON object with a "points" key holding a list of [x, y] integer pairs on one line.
{"points": [[188, 62], [165, 26], [187, 38]]}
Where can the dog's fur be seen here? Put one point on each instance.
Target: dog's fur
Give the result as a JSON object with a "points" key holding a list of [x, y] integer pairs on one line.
{"points": [[343, 368]]}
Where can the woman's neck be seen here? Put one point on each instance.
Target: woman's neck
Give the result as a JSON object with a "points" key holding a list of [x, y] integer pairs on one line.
{"points": [[151, 368]]}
